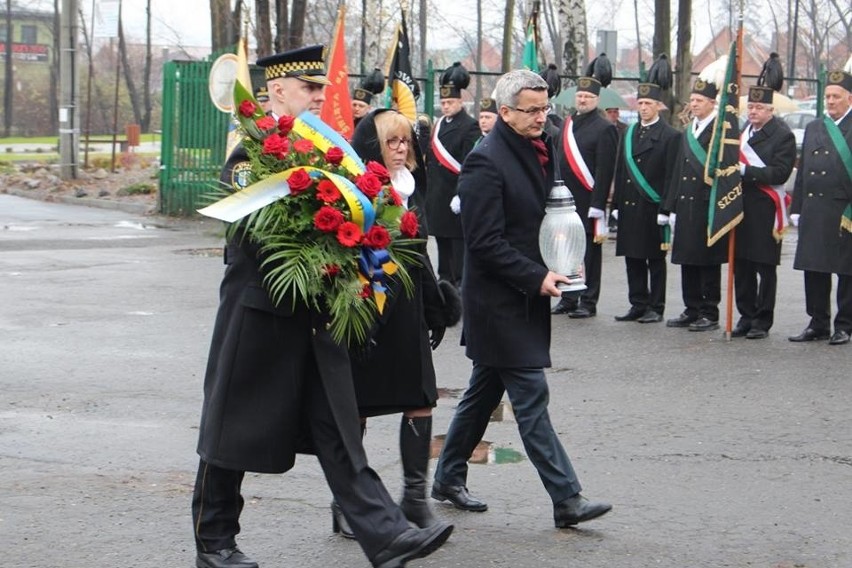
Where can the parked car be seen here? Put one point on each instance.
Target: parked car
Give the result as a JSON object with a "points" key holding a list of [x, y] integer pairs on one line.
{"points": [[797, 121]]}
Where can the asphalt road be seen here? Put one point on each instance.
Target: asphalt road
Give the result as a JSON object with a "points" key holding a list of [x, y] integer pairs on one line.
{"points": [[713, 452]]}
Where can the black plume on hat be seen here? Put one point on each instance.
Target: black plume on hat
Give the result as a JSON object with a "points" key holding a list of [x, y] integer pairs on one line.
{"points": [[601, 69], [660, 72], [772, 73], [456, 75], [374, 81], [551, 77]]}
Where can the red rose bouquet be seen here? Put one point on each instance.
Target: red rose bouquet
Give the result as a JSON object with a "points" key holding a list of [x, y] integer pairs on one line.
{"points": [[330, 229]]}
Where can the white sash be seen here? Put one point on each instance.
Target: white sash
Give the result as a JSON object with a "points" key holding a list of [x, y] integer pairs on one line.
{"points": [[575, 158], [442, 154], [775, 192]]}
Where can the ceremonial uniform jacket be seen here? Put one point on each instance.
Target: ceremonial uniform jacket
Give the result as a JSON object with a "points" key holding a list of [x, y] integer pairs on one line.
{"points": [[597, 140], [458, 136], [776, 146], [261, 357], [689, 198], [503, 190], [639, 235], [823, 190]]}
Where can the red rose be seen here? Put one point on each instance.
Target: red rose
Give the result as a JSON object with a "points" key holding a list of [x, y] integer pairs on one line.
{"points": [[369, 184], [285, 124], [394, 197], [276, 146], [334, 156], [408, 224], [331, 270], [379, 171], [327, 191], [247, 108], [303, 146], [299, 181], [348, 234], [377, 237], [366, 292], [328, 219], [265, 123]]}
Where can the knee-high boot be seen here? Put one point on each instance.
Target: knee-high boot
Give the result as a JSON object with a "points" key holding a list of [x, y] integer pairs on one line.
{"points": [[339, 524], [415, 437]]}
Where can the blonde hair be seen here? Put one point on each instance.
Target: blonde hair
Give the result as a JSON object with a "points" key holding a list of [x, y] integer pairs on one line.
{"points": [[390, 124]]}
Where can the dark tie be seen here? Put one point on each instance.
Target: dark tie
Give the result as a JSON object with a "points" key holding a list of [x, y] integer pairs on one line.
{"points": [[541, 152]]}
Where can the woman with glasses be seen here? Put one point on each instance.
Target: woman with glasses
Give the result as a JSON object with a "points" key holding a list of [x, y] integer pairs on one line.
{"points": [[395, 372]]}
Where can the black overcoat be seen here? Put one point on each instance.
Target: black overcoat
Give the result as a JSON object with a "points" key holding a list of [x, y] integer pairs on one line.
{"points": [[689, 198], [597, 140], [503, 189], [458, 136], [823, 190], [776, 146], [639, 235], [261, 357], [397, 372]]}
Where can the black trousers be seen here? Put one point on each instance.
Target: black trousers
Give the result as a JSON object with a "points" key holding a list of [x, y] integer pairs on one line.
{"points": [[818, 301], [593, 262], [450, 259], [701, 287], [755, 284], [373, 515], [641, 272]]}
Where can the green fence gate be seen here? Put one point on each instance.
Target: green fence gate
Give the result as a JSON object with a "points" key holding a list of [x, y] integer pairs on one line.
{"points": [[194, 138]]}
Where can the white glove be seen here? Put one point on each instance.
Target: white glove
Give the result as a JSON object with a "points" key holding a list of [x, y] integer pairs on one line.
{"points": [[662, 220], [672, 217], [742, 169], [595, 213], [614, 214], [794, 218], [455, 204]]}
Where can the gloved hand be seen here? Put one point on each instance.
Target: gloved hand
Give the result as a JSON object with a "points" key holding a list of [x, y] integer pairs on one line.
{"points": [[672, 217], [742, 169], [662, 220], [794, 218], [455, 204], [436, 335], [595, 213], [614, 214]]}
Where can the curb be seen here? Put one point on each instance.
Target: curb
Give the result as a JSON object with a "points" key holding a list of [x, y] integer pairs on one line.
{"points": [[126, 207]]}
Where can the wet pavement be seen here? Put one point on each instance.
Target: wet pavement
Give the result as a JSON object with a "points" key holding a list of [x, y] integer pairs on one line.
{"points": [[713, 452]]}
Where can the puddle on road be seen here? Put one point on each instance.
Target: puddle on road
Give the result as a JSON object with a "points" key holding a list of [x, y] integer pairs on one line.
{"points": [[207, 252], [485, 453]]}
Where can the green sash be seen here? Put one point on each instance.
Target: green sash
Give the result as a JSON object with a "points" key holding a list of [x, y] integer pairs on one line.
{"points": [[634, 169], [846, 157], [694, 145]]}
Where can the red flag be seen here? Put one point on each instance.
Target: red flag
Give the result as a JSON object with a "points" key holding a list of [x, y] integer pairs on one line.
{"points": [[337, 109]]}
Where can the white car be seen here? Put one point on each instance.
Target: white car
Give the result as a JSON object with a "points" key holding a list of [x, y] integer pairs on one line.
{"points": [[797, 122]]}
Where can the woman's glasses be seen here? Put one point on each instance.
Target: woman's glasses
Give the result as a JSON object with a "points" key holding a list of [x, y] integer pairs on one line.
{"points": [[395, 142]]}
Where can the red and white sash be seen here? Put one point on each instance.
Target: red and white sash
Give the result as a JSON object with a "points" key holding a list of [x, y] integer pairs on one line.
{"points": [[574, 158], [775, 192], [442, 154]]}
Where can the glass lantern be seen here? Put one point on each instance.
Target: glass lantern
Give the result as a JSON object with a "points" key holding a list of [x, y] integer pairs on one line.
{"points": [[562, 238]]}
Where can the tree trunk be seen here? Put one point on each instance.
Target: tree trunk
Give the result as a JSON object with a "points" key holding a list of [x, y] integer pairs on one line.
{"points": [[8, 93], [297, 24], [508, 20], [550, 22], [263, 35], [572, 19], [220, 15], [145, 123], [683, 67], [662, 43], [128, 76], [424, 22], [54, 70]]}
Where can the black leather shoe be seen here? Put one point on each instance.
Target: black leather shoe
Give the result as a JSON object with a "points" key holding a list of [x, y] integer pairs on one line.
{"points": [[810, 334], [582, 313], [651, 317], [839, 338], [339, 524], [682, 320], [563, 307], [703, 324], [740, 331], [413, 543], [225, 558], [632, 315], [757, 334], [578, 509], [458, 496]]}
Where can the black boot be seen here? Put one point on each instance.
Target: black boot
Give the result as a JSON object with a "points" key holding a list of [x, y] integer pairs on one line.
{"points": [[339, 524], [415, 437]]}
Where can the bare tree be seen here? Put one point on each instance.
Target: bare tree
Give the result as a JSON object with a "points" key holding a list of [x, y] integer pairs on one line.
{"points": [[263, 29], [683, 59], [145, 123], [220, 15], [572, 20], [128, 75]]}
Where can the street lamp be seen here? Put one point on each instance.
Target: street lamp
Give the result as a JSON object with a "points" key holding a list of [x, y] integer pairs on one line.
{"points": [[562, 238]]}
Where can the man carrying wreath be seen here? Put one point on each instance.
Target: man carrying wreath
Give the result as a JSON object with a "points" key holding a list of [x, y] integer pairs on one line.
{"points": [[277, 383]]}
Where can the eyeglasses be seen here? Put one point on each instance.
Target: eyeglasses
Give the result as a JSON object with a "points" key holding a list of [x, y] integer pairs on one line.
{"points": [[534, 110], [394, 143]]}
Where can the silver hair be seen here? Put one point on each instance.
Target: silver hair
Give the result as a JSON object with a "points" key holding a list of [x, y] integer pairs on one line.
{"points": [[512, 83]]}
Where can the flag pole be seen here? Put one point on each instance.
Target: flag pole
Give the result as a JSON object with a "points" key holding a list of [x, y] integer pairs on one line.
{"points": [[732, 239]]}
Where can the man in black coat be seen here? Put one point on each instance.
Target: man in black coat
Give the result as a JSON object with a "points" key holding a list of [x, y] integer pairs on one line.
{"points": [[822, 209], [586, 151], [503, 187], [688, 199], [768, 151], [644, 169], [277, 384], [453, 137]]}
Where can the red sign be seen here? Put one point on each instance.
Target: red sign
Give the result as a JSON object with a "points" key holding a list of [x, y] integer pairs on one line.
{"points": [[26, 51]]}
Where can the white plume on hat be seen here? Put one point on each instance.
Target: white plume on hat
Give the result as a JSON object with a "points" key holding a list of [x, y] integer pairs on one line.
{"points": [[848, 66], [714, 72]]}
